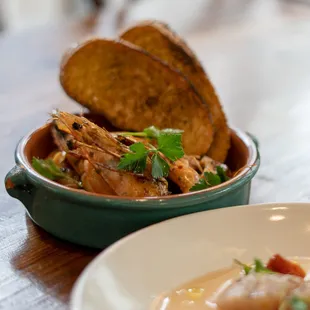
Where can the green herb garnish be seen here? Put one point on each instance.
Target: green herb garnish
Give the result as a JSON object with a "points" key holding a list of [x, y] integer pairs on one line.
{"points": [[222, 174], [48, 169], [246, 268], [294, 303], [135, 161], [260, 267], [169, 143], [257, 267], [159, 166], [211, 179], [298, 304]]}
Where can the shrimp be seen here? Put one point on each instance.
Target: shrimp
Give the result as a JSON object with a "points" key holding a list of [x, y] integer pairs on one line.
{"points": [[93, 150], [91, 180], [187, 171], [182, 172], [208, 164]]}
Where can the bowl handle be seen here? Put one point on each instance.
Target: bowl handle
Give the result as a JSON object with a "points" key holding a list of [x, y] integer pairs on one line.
{"points": [[254, 139], [18, 186]]}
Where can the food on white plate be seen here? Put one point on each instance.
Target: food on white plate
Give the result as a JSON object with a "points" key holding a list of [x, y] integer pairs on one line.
{"points": [[281, 284]]}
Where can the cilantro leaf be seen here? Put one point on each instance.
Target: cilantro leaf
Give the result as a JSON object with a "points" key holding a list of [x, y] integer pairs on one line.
{"points": [[135, 161], [222, 173], [298, 304], [170, 144], [160, 167], [212, 179], [201, 184], [209, 179], [259, 267]]}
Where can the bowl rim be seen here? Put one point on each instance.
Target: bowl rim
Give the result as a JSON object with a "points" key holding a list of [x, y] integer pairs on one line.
{"points": [[243, 176]]}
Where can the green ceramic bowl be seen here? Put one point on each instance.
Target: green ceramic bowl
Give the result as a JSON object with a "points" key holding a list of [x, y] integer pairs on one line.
{"points": [[98, 220]]}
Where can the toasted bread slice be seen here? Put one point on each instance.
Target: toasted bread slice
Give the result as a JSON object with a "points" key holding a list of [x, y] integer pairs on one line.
{"points": [[157, 39], [134, 90]]}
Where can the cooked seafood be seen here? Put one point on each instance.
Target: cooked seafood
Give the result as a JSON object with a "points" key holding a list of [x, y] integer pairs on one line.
{"points": [[269, 287], [94, 154], [258, 291], [182, 174], [118, 80], [258, 287], [156, 76], [189, 170], [123, 164]]}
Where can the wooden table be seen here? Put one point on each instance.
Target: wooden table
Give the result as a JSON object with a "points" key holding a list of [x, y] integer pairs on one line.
{"points": [[262, 75]]}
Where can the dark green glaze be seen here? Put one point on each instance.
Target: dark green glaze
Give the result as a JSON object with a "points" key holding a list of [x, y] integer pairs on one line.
{"points": [[97, 221]]}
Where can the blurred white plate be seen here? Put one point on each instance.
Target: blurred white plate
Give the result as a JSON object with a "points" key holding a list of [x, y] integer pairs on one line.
{"points": [[129, 274]]}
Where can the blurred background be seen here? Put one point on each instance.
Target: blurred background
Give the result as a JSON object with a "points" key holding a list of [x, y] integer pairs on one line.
{"points": [[256, 53], [183, 15], [253, 50]]}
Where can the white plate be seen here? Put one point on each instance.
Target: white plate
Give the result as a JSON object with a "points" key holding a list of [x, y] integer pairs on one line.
{"points": [[132, 271]]}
